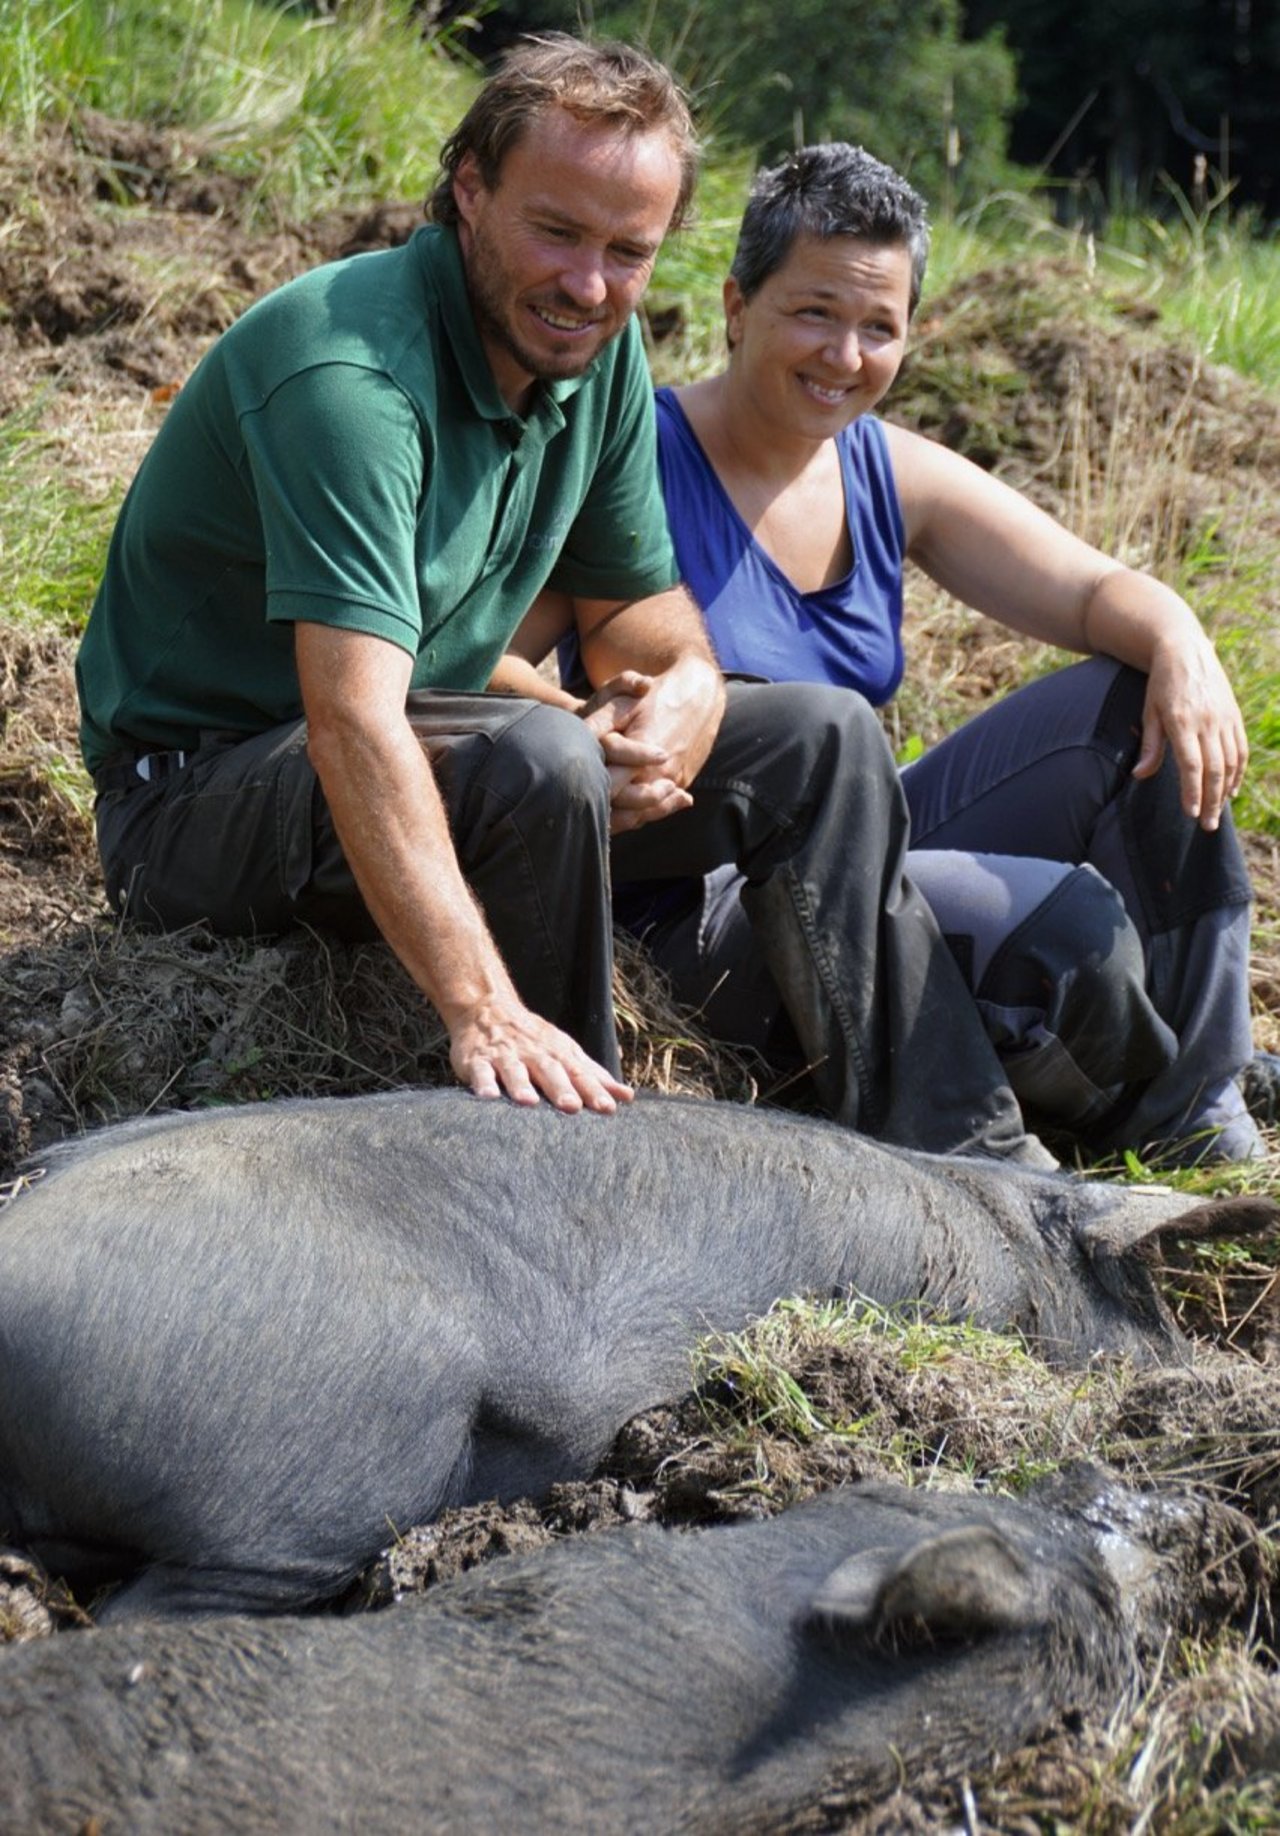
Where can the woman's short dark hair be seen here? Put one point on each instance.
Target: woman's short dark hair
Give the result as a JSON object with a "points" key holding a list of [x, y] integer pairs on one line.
{"points": [[606, 82], [828, 190]]}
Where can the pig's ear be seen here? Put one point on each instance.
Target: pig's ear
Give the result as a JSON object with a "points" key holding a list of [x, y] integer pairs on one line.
{"points": [[1143, 1215], [961, 1584]]}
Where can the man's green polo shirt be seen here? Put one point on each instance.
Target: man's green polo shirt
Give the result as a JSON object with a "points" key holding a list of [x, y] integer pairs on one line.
{"points": [[342, 455]]}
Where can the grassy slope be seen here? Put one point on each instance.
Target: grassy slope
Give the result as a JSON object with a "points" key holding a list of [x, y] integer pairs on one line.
{"points": [[317, 108]]}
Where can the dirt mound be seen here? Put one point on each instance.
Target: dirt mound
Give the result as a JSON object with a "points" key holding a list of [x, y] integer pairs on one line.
{"points": [[48, 866], [39, 719], [1215, 1426], [1006, 361], [135, 245], [127, 250]]}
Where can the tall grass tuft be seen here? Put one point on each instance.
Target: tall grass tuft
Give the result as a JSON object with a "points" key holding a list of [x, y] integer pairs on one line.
{"points": [[1211, 274]]}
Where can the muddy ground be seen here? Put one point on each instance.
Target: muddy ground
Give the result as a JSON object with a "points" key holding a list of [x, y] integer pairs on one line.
{"points": [[124, 253]]}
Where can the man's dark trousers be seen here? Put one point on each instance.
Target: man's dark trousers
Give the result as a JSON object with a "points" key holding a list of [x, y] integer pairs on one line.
{"points": [[799, 791]]}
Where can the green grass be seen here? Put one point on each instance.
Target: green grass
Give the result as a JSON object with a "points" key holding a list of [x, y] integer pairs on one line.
{"points": [[1207, 273], [53, 537], [1017, 1423], [1244, 629], [313, 109], [1210, 275]]}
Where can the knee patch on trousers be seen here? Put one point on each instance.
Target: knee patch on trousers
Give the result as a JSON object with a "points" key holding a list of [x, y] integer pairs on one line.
{"points": [[1066, 1004]]}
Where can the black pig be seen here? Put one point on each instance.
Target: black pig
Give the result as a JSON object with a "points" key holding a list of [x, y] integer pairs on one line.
{"points": [[238, 1350], [638, 1680]]}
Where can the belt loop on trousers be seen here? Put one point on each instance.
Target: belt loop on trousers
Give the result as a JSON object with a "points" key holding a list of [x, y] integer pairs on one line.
{"points": [[124, 774], [157, 765]]}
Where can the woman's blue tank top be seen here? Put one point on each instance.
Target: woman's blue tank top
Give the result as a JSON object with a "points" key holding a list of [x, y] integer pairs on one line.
{"points": [[849, 634]]}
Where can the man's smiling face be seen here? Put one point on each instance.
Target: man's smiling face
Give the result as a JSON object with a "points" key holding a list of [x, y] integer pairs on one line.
{"points": [[559, 252]]}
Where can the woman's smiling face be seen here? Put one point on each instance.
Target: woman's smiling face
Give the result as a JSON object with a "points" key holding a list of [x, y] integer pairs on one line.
{"points": [[821, 339]]}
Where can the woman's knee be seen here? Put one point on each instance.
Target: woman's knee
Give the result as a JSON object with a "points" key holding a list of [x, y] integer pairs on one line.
{"points": [[1075, 967], [1032, 774]]}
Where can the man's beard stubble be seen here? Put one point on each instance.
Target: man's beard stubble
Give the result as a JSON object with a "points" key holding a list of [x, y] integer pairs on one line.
{"points": [[489, 289]]}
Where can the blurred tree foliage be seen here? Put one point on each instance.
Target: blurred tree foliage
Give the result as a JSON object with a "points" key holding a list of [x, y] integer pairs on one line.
{"points": [[1113, 96], [1111, 103], [770, 74]]}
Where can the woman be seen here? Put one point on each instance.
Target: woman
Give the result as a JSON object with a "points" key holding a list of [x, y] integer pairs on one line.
{"points": [[1075, 840]]}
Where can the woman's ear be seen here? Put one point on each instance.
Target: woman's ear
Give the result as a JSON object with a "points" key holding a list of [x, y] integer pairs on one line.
{"points": [[734, 307]]}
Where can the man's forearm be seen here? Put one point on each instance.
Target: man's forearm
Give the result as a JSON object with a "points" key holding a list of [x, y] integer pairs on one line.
{"points": [[394, 830], [650, 635], [392, 825], [515, 675]]}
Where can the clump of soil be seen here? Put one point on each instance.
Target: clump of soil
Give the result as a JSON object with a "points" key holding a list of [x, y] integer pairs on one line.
{"points": [[127, 251], [1214, 1426], [1228, 1294], [456, 1541], [32, 1606]]}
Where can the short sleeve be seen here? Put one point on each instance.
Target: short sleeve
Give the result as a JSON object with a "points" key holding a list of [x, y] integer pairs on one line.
{"points": [[338, 456]]}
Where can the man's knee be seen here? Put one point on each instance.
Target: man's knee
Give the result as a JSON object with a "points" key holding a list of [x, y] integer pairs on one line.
{"points": [[810, 728], [547, 757]]}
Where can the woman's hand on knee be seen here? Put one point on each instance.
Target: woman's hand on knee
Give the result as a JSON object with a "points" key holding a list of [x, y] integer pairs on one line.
{"points": [[1191, 710]]}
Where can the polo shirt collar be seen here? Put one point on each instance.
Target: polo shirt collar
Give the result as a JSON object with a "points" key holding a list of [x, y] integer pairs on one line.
{"points": [[440, 255]]}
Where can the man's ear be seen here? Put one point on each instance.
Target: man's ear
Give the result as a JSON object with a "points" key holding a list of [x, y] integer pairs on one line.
{"points": [[467, 187]]}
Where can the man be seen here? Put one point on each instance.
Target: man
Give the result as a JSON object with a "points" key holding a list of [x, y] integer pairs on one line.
{"points": [[326, 552]]}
